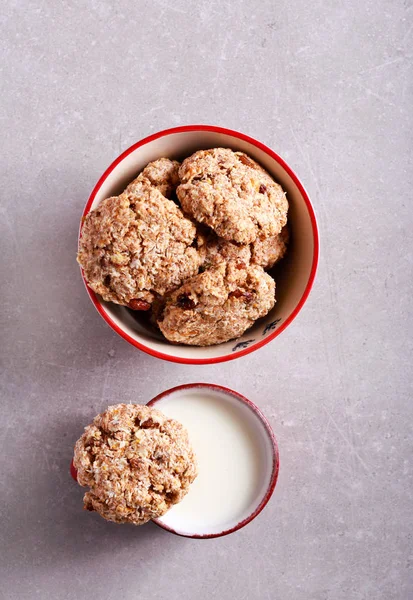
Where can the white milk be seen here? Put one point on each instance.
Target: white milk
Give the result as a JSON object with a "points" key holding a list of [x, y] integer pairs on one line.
{"points": [[234, 455]]}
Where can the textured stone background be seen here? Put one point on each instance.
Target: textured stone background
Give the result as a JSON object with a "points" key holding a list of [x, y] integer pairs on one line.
{"points": [[330, 89]]}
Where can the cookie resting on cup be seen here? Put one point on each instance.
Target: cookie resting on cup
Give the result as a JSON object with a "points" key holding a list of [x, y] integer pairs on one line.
{"points": [[136, 462]]}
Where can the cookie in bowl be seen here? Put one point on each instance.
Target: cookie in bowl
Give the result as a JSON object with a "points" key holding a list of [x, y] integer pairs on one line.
{"points": [[136, 246], [217, 305], [161, 174], [232, 194], [264, 252]]}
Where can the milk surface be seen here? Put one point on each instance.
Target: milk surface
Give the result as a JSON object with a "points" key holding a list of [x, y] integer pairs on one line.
{"points": [[234, 460]]}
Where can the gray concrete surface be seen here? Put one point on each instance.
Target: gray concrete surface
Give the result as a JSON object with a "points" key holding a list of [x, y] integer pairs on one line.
{"points": [[329, 87]]}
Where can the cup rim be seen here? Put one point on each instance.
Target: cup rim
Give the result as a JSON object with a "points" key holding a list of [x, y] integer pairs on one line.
{"points": [[275, 457], [256, 346]]}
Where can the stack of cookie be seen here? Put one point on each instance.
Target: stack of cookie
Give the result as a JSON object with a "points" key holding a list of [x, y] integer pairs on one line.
{"points": [[191, 243]]}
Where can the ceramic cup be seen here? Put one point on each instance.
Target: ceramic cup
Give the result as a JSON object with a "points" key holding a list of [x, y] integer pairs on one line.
{"points": [[237, 458], [257, 447], [294, 275]]}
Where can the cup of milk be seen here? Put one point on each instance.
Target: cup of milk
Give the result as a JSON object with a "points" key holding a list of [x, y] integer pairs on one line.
{"points": [[237, 459]]}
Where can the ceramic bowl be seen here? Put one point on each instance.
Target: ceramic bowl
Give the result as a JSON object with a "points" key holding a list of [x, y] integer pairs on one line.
{"points": [[294, 275]]}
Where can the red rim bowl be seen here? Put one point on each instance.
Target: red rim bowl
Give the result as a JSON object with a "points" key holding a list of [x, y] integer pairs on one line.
{"points": [[294, 279]]}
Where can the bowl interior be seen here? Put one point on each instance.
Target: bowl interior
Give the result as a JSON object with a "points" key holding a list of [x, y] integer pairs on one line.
{"points": [[292, 274], [208, 509]]}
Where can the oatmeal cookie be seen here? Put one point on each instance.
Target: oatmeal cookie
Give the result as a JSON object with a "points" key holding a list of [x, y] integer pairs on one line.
{"points": [[137, 245], [263, 252], [232, 194], [162, 174], [217, 250], [136, 462], [217, 305], [268, 251]]}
